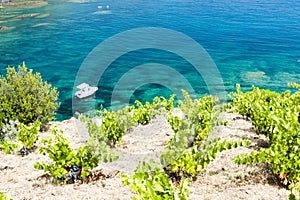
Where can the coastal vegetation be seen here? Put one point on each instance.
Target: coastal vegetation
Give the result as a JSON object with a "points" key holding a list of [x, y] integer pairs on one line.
{"points": [[278, 117], [28, 103], [26, 97]]}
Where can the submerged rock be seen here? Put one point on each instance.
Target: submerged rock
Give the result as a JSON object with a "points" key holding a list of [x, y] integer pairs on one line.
{"points": [[39, 25], [42, 16], [26, 15], [6, 28]]}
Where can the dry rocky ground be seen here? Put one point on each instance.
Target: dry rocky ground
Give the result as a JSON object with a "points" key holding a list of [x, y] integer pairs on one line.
{"points": [[222, 179]]}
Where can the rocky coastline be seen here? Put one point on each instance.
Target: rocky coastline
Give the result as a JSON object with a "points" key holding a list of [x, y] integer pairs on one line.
{"points": [[8, 15], [21, 4]]}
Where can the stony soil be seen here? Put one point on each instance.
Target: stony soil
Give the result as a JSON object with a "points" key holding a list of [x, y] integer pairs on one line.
{"points": [[222, 179]]}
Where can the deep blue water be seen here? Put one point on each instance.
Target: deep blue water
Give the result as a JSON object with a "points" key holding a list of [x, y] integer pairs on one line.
{"points": [[251, 42]]}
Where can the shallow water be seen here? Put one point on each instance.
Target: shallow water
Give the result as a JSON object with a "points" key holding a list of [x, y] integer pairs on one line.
{"points": [[251, 42]]}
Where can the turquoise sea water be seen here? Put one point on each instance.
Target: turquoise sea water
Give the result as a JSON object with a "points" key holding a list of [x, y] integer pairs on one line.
{"points": [[251, 42]]}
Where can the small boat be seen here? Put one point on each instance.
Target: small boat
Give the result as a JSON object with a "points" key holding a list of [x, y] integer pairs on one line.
{"points": [[85, 90]]}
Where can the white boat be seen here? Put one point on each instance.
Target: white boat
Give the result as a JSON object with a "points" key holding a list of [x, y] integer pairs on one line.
{"points": [[85, 90]]}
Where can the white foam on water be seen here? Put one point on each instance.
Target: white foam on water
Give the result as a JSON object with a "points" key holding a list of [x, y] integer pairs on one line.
{"points": [[39, 25], [81, 1], [102, 12]]}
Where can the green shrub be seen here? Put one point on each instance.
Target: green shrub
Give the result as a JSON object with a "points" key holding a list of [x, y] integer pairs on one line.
{"points": [[97, 143], [64, 159], [114, 124], [276, 115], [189, 151], [176, 122], [25, 97], [167, 104], [7, 147], [201, 115], [14, 133], [144, 112], [8, 137], [125, 118], [28, 134], [294, 85], [192, 161], [151, 182], [5, 197]]}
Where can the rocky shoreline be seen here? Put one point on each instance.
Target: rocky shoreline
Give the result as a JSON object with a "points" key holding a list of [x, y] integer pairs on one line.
{"points": [[22, 4], [7, 15], [5, 28]]}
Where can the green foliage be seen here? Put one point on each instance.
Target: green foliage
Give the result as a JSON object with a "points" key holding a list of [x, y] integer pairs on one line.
{"points": [[25, 97], [201, 115], [150, 182], [193, 160], [7, 147], [294, 85], [86, 160], [5, 197], [8, 136], [177, 123], [174, 148], [28, 134], [277, 116], [111, 128], [114, 124], [188, 152], [125, 118], [295, 189], [167, 104], [97, 143], [144, 113], [64, 157]]}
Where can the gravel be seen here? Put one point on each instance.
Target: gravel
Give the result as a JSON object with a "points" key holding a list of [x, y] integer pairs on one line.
{"points": [[221, 179]]}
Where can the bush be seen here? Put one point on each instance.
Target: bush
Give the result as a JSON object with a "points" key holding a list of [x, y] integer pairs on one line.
{"points": [[201, 115], [97, 143], [14, 133], [276, 115], [151, 182], [66, 163], [189, 151], [28, 135], [5, 197], [25, 97]]}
